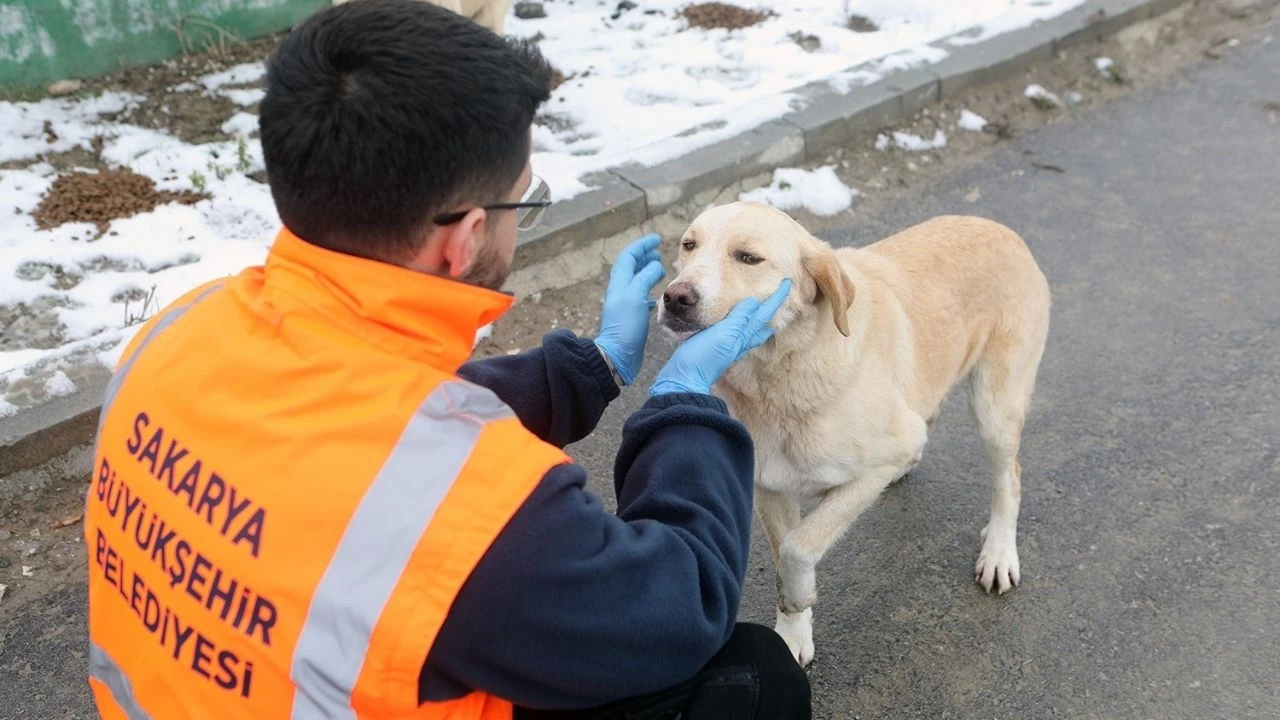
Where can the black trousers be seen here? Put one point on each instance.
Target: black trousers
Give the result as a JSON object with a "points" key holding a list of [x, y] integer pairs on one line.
{"points": [[753, 677]]}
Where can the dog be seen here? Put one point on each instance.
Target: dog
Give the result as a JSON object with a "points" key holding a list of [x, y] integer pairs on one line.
{"points": [[866, 347], [491, 14]]}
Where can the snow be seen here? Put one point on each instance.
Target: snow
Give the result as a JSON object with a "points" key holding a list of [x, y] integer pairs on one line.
{"points": [[971, 121], [910, 142], [162, 253], [819, 191], [642, 88], [1035, 92], [236, 75], [59, 384], [242, 123], [243, 97], [640, 85]]}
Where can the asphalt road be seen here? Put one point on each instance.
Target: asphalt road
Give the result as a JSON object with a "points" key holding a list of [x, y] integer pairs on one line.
{"points": [[1148, 537]]}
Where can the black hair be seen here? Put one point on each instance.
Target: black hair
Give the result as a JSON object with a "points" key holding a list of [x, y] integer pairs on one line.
{"points": [[380, 114]]}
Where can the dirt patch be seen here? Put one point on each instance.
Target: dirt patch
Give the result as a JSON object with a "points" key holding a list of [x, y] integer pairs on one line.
{"points": [[40, 545], [720, 16], [557, 78], [104, 196], [195, 117], [171, 102]]}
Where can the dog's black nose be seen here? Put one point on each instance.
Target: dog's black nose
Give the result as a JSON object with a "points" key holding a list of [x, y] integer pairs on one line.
{"points": [[680, 298]]}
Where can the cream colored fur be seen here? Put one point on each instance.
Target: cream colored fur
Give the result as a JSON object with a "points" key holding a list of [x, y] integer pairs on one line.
{"points": [[487, 13], [868, 345]]}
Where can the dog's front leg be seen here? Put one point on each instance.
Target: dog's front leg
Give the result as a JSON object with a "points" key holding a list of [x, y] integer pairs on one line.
{"points": [[804, 547], [778, 515]]}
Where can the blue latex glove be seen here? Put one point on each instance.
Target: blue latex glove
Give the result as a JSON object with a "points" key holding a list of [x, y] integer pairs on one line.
{"points": [[624, 322], [697, 364]]}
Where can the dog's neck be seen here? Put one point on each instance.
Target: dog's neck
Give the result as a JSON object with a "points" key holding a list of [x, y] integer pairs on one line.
{"points": [[811, 377]]}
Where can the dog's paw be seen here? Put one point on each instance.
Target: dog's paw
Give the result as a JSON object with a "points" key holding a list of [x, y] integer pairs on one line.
{"points": [[796, 629], [997, 565]]}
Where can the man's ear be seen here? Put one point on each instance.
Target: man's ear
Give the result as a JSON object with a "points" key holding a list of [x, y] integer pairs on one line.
{"points": [[461, 243], [833, 283]]}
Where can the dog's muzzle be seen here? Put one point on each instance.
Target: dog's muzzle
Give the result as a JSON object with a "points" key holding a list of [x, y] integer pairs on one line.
{"points": [[680, 309]]}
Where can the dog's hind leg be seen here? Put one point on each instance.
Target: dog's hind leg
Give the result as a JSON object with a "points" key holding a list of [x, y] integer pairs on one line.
{"points": [[1003, 382]]}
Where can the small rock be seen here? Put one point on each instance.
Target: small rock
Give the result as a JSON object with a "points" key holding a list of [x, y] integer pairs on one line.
{"points": [[1072, 98], [912, 166], [5, 535], [28, 571], [530, 10], [624, 6], [3, 589], [65, 87], [809, 43], [973, 195], [861, 24]]}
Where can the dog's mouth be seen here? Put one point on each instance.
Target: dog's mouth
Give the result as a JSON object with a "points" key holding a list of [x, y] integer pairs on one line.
{"points": [[681, 327]]}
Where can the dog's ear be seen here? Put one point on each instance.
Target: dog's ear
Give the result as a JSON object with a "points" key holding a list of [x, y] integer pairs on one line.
{"points": [[833, 284]]}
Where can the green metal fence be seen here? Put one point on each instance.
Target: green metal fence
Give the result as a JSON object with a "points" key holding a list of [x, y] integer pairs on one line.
{"points": [[42, 41]]}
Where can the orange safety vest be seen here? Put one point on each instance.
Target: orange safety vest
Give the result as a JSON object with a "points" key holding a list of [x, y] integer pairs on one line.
{"points": [[290, 487]]}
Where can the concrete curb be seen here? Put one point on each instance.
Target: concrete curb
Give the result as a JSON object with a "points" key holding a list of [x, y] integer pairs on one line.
{"points": [[580, 234]]}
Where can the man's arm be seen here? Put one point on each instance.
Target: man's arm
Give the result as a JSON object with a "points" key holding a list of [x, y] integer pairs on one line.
{"points": [[573, 607], [558, 390]]}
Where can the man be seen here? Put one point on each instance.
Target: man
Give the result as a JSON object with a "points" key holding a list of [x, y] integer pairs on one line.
{"points": [[305, 504]]}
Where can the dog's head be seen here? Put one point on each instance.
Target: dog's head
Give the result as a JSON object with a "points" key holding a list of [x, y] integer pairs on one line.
{"points": [[741, 250]]}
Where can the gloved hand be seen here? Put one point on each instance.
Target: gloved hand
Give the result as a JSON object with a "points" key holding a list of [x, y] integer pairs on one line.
{"points": [[697, 364], [624, 321]]}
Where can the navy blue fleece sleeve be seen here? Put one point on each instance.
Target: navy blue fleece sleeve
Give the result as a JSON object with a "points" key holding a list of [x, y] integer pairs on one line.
{"points": [[558, 390], [573, 607]]}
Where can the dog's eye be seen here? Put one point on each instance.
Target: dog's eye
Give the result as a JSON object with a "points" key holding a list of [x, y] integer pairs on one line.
{"points": [[747, 258], [688, 244]]}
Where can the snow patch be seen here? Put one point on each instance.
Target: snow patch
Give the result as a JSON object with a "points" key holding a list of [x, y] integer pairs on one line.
{"points": [[1036, 92], [971, 121], [59, 384], [242, 123], [236, 75], [910, 142], [819, 191]]}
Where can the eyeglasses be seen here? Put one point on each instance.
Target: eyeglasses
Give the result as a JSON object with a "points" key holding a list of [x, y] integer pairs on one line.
{"points": [[536, 199]]}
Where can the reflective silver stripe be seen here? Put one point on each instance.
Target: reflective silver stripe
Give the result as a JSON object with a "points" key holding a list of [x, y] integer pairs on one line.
{"points": [[105, 670], [113, 385], [378, 541]]}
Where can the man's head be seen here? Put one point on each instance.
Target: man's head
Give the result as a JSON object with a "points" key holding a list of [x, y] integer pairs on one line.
{"points": [[380, 116]]}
